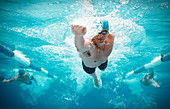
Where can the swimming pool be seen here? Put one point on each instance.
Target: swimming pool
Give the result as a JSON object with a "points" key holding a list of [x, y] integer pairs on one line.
{"points": [[41, 30]]}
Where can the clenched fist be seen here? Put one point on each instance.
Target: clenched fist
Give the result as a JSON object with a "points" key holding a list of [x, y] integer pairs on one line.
{"points": [[78, 30]]}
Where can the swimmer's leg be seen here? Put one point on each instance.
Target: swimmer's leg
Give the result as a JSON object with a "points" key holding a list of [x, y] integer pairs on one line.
{"points": [[32, 78], [28, 83], [96, 82], [91, 71]]}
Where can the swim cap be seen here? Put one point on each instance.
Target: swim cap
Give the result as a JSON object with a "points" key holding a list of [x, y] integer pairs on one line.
{"points": [[105, 25], [21, 71]]}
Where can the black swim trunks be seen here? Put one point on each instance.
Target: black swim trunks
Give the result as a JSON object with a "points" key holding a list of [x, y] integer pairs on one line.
{"points": [[92, 70]]}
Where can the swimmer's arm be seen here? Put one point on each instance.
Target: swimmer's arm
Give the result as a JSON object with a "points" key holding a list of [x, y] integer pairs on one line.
{"points": [[34, 80], [81, 43], [10, 80]]}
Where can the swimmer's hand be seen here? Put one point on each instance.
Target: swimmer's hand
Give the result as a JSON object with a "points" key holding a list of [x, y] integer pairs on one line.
{"points": [[157, 85], [5, 81], [78, 30]]}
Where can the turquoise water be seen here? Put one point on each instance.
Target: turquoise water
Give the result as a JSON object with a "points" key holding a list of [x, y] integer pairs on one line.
{"points": [[41, 30]]}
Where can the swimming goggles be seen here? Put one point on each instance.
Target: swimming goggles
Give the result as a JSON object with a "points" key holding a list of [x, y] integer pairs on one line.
{"points": [[103, 32]]}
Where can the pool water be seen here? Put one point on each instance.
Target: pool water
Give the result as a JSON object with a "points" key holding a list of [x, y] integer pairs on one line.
{"points": [[41, 30]]}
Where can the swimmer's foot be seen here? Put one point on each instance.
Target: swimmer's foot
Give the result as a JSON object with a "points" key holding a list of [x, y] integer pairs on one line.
{"points": [[97, 82]]}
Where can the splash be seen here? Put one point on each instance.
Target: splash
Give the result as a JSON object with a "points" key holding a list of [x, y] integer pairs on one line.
{"points": [[124, 1], [127, 32], [51, 33], [134, 86], [128, 36]]}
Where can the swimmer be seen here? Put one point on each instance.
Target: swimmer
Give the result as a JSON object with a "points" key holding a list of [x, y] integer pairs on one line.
{"points": [[22, 77], [149, 79], [94, 52]]}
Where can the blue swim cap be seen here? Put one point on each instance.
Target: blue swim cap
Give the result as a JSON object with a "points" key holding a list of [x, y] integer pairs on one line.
{"points": [[105, 25], [21, 71]]}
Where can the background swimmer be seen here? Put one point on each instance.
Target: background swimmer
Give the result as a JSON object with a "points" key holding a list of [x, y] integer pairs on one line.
{"points": [[149, 79], [23, 76]]}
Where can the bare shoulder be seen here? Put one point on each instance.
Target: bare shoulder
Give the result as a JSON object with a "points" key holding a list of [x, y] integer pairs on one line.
{"points": [[111, 36]]}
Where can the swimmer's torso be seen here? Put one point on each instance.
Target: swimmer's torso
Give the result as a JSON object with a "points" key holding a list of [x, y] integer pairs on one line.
{"points": [[95, 56], [25, 78]]}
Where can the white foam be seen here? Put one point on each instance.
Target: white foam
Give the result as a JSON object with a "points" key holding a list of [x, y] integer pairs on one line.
{"points": [[134, 86], [18, 56]]}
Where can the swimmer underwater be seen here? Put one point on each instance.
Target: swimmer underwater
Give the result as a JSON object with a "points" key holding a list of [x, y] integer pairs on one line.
{"points": [[23, 76]]}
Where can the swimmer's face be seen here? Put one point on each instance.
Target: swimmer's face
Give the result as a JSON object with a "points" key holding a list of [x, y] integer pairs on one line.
{"points": [[102, 36]]}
